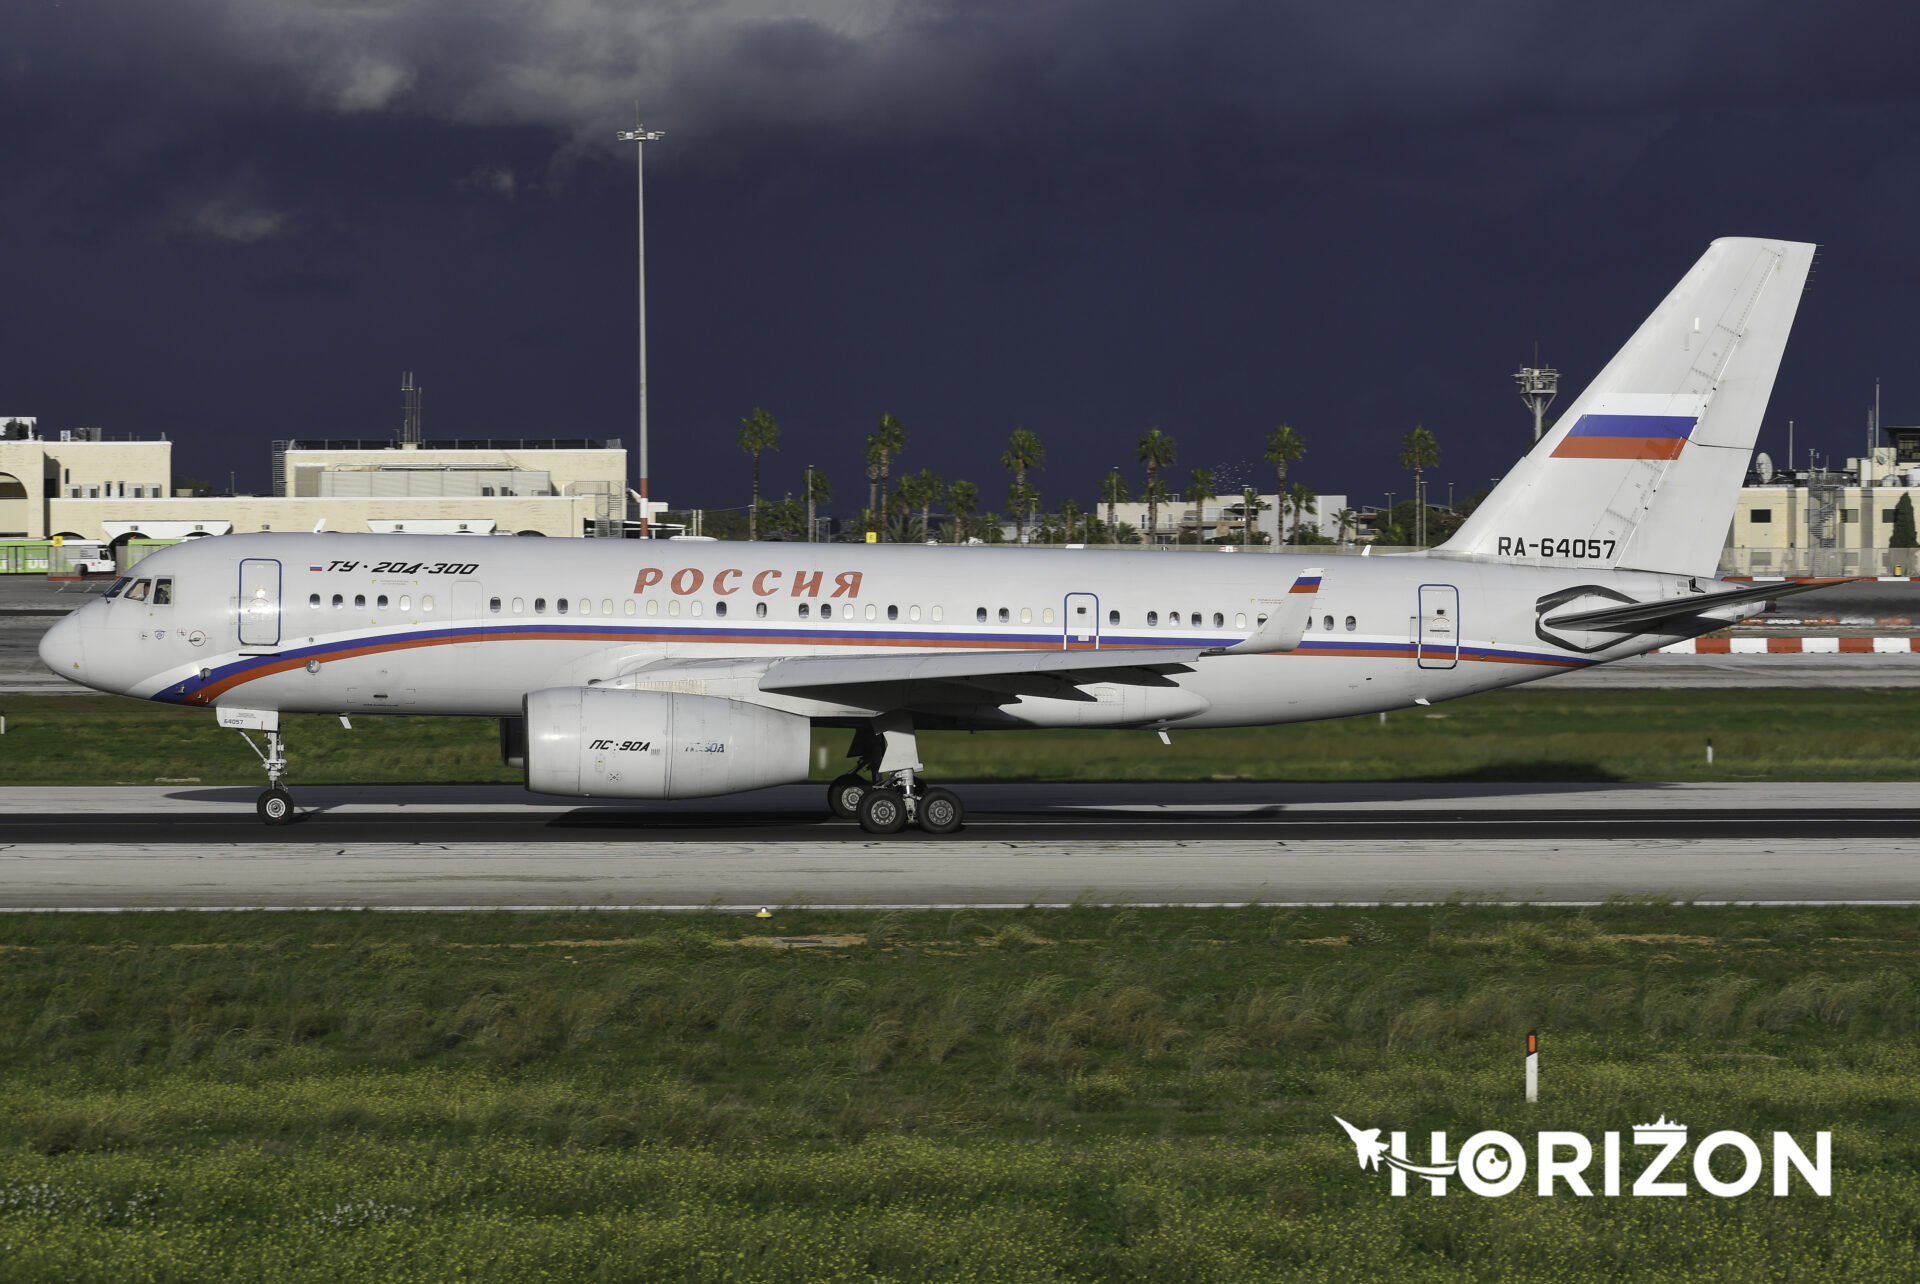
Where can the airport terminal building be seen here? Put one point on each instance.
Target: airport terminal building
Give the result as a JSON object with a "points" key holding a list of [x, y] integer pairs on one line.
{"points": [[84, 485]]}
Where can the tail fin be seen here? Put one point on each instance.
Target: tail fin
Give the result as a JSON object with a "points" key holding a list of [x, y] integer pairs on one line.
{"points": [[1645, 467]]}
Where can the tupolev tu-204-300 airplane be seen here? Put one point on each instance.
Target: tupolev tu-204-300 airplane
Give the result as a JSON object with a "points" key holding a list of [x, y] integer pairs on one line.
{"points": [[677, 669]]}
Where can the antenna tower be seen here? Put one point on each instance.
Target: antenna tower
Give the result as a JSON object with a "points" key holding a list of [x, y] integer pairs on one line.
{"points": [[409, 410], [1539, 385]]}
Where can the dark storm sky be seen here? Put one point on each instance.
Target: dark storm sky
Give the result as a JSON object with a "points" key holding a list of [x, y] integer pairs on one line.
{"points": [[236, 220]]}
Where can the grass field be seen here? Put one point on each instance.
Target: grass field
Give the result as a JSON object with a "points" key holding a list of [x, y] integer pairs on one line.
{"points": [[1531, 734], [1084, 1094]]}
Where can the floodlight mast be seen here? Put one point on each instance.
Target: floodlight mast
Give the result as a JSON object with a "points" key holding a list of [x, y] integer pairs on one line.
{"points": [[1538, 387], [641, 135]]}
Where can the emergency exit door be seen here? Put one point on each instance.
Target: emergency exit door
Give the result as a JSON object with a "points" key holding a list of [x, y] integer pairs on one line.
{"points": [[1080, 622], [1436, 629], [259, 601]]}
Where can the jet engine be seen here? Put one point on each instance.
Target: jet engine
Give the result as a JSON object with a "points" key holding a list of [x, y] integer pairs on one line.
{"points": [[605, 742]]}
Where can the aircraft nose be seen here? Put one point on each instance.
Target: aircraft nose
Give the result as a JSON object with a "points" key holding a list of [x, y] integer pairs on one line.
{"points": [[60, 648]]}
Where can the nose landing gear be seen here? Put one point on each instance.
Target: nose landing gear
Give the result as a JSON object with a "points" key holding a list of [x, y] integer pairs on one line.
{"points": [[276, 804]]}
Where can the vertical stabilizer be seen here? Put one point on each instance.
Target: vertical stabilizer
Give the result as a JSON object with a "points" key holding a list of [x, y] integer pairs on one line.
{"points": [[1644, 469]]}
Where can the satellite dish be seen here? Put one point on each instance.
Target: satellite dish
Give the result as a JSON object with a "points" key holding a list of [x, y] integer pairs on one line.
{"points": [[1763, 465]]}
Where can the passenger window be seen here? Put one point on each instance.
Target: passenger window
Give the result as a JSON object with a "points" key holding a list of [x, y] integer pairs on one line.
{"points": [[629, 606], [893, 612], [1349, 624], [163, 592], [493, 605], [1026, 615], [760, 609], [1329, 624], [338, 601], [1005, 615], [359, 601], [873, 612], [380, 603], [653, 606], [1153, 619], [313, 601], [693, 608], [119, 586], [719, 608], [826, 611], [673, 607], [803, 610], [519, 605], [1240, 620], [1113, 617], [913, 613], [1194, 619], [426, 603], [406, 602], [138, 593], [539, 606], [586, 606], [937, 615], [980, 615], [1219, 620], [1260, 621], [560, 606], [1046, 616], [606, 606]]}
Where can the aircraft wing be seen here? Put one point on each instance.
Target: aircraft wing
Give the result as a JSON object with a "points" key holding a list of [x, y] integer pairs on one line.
{"points": [[1137, 666], [1673, 607]]}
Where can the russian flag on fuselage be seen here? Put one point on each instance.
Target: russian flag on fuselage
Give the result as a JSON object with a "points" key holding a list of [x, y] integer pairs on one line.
{"points": [[1626, 437]]}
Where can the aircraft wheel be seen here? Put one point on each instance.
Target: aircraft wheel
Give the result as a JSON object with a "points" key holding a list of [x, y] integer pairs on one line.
{"points": [[883, 811], [844, 794], [275, 806], [940, 811]]}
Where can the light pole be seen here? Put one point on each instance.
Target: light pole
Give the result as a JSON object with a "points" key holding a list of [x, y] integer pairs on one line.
{"points": [[641, 135]]}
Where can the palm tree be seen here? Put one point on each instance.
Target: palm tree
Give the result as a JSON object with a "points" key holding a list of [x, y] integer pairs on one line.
{"points": [[1283, 446], [932, 491], [1302, 499], [759, 432], [1200, 490], [1156, 493], [887, 439], [1070, 517], [1114, 488], [819, 491], [1023, 451], [1347, 521], [1251, 506], [963, 500], [1156, 452], [1419, 451]]}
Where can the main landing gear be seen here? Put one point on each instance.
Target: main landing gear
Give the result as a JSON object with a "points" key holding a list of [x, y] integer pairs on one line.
{"points": [[276, 804], [893, 797]]}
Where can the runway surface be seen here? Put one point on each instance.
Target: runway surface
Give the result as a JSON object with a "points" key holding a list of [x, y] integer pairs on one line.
{"points": [[445, 846]]}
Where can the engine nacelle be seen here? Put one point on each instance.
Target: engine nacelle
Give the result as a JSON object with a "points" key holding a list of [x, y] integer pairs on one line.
{"points": [[604, 742]]}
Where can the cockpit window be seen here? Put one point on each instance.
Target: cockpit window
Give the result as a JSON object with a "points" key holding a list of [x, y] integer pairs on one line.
{"points": [[113, 590], [163, 591], [138, 593]]}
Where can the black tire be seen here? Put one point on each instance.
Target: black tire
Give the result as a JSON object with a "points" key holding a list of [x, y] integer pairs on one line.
{"points": [[275, 806], [883, 811], [844, 794], [940, 811]]}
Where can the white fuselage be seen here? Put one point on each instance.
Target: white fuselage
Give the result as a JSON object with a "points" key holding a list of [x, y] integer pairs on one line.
{"points": [[338, 623]]}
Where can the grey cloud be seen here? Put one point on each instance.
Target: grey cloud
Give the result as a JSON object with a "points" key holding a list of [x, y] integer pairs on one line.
{"points": [[238, 222], [495, 180]]}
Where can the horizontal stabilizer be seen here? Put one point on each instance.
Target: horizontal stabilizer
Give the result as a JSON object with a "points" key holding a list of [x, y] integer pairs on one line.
{"points": [[1111, 664], [1635, 613]]}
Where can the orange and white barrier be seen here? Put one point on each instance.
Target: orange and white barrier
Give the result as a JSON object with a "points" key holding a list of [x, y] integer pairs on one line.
{"points": [[1793, 646]]}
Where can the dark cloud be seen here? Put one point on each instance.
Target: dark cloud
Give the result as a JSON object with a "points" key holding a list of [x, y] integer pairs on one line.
{"points": [[1081, 217]]}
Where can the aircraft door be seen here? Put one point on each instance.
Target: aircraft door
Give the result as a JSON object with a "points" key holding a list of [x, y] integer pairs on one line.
{"points": [[1436, 630], [259, 601], [1080, 622]]}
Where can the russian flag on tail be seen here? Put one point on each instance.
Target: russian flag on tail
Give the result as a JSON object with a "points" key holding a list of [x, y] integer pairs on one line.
{"points": [[1626, 437], [1308, 581]]}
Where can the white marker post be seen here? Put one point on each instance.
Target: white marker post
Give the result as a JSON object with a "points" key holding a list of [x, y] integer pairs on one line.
{"points": [[1533, 1066]]}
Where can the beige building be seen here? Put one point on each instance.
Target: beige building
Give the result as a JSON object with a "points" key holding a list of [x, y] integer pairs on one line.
{"points": [[1828, 521], [85, 488]]}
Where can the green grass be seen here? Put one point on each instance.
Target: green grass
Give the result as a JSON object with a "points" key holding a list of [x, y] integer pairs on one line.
{"points": [[1531, 734], [1089, 1093]]}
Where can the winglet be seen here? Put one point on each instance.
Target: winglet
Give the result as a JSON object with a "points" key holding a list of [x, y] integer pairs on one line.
{"points": [[1288, 622]]}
